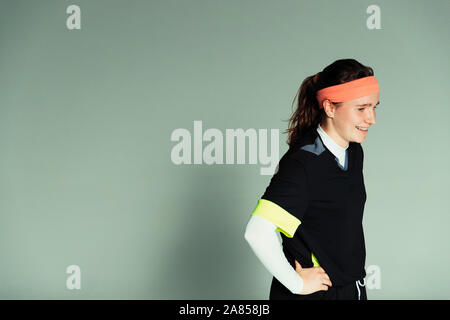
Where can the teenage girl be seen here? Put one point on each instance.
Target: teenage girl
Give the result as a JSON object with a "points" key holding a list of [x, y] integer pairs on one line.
{"points": [[316, 197]]}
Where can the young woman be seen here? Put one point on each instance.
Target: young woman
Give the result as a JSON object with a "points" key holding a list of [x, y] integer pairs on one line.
{"points": [[316, 197]]}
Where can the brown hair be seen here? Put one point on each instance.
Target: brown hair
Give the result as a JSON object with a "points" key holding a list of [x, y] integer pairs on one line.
{"points": [[308, 114]]}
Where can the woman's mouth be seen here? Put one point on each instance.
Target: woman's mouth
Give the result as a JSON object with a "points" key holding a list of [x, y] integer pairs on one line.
{"points": [[363, 129]]}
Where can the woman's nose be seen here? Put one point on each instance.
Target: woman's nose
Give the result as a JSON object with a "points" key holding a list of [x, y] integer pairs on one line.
{"points": [[372, 117]]}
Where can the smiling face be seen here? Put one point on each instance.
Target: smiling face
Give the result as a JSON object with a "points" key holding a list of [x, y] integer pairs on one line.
{"points": [[349, 121]]}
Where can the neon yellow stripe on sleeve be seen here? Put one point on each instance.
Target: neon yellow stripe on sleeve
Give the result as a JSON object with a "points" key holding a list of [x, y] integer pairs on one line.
{"points": [[285, 222], [314, 260]]}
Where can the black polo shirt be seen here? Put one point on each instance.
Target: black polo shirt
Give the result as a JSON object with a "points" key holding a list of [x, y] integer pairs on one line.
{"points": [[318, 207]]}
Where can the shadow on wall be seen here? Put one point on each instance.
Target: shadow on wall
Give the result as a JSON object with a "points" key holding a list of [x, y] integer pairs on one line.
{"points": [[200, 259]]}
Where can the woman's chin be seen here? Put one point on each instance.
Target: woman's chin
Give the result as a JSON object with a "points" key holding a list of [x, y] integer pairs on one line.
{"points": [[359, 139]]}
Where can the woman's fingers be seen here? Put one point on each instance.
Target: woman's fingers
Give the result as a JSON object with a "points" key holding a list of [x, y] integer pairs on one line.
{"points": [[327, 282], [324, 278], [297, 265]]}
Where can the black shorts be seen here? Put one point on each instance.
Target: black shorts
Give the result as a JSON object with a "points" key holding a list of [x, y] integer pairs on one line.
{"points": [[347, 292]]}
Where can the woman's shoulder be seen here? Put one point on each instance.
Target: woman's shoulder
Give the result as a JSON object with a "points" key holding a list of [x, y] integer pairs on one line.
{"points": [[297, 157], [308, 147]]}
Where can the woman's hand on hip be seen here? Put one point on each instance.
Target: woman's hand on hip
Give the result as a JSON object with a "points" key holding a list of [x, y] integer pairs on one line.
{"points": [[314, 279]]}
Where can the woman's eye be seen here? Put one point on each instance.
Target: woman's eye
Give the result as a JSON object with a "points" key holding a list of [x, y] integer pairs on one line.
{"points": [[360, 109]]}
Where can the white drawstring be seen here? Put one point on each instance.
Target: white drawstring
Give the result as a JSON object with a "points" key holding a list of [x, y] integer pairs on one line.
{"points": [[357, 287]]}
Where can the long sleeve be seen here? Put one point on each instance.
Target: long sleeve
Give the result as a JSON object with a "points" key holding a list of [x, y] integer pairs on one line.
{"points": [[261, 234]]}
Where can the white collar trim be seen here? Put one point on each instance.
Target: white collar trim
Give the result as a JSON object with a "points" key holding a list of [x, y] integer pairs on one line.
{"points": [[336, 149]]}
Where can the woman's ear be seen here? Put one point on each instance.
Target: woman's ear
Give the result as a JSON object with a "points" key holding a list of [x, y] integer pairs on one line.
{"points": [[329, 108]]}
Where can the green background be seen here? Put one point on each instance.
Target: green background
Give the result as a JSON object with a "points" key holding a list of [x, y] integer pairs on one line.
{"points": [[86, 117]]}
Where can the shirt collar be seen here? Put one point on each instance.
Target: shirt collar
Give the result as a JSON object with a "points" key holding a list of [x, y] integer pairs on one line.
{"points": [[336, 149]]}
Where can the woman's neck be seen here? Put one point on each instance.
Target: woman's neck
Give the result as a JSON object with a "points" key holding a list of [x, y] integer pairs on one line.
{"points": [[334, 136]]}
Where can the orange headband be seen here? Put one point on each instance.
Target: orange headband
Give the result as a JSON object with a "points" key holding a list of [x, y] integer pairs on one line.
{"points": [[348, 91]]}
